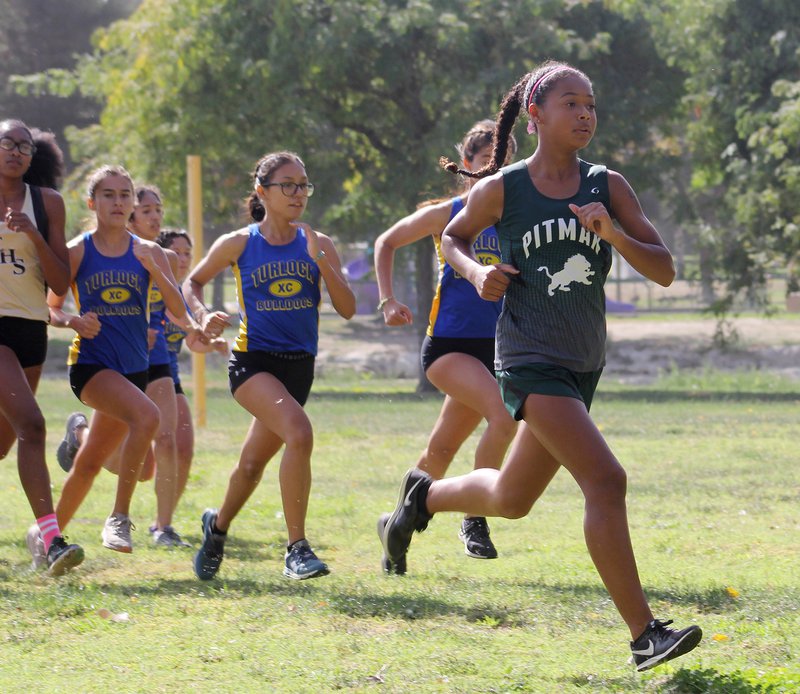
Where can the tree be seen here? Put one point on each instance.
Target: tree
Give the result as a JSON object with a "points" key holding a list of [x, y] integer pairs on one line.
{"points": [[38, 35], [371, 93], [739, 188]]}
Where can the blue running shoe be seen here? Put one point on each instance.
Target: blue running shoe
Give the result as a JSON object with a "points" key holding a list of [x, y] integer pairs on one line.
{"points": [[209, 556], [302, 563]]}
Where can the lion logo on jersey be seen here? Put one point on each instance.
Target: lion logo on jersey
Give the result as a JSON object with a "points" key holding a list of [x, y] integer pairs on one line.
{"points": [[576, 269]]}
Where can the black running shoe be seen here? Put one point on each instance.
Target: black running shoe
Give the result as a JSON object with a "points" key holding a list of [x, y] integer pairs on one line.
{"points": [[407, 516], [62, 557], [659, 644], [475, 534], [209, 556], [65, 454], [389, 567]]}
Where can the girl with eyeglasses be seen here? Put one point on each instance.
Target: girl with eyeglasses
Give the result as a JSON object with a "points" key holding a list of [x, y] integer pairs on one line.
{"points": [[279, 264], [458, 350], [33, 255], [112, 272]]}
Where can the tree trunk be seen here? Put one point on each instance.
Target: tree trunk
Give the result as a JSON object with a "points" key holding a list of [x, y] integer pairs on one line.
{"points": [[424, 283]]}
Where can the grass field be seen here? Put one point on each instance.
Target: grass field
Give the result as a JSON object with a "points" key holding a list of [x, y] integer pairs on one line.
{"points": [[714, 513]]}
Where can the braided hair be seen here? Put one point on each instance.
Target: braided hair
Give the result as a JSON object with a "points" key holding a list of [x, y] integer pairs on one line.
{"points": [[532, 88]]}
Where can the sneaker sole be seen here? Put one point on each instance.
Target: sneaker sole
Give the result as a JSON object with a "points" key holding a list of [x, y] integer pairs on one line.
{"points": [[302, 577], [118, 548], [388, 566], [206, 575], [401, 498], [68, 560], [679, 648], [63, 457]]}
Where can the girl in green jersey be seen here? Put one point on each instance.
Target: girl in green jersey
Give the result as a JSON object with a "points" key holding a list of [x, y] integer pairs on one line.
{"points": [[553, 213]]}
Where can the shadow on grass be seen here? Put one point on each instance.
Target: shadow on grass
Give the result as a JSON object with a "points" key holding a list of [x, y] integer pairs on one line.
{"points": [[683, 681], [709, 680]]}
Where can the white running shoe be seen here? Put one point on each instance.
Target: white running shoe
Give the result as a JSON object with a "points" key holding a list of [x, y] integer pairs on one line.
{"points": [[36, 547], [117, 533]]}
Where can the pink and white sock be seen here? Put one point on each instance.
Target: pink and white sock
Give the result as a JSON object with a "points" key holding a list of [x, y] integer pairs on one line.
{"points": [[48, 526]]}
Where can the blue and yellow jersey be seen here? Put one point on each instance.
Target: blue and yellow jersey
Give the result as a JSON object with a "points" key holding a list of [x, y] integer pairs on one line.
{"points": [[278, 291], [117, 290], [159, 354], [457, 310], [174, 336]]}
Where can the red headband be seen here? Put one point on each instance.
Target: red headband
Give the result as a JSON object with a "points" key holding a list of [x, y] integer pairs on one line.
{"points": [[537, 83]]}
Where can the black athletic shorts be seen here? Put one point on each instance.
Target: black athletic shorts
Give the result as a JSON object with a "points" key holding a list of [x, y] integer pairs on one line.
{"points": [[482, 348], [81, 374], [178, 388], [294, 369], [518, 382], [156, 371], [26, 338]]}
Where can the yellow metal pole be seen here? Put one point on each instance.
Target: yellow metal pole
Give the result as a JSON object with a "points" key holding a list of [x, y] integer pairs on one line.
{"points": [[194, 193]]}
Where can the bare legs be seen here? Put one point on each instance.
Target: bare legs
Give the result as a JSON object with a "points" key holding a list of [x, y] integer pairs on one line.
{"points": [[184, 443], [162, 393], [21, 420], [559, 432], [123, 415], [278, 419], [472, 396]]}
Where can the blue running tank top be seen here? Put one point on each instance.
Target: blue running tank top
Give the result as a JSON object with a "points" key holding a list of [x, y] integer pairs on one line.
{"points": [[277, 288], [457, 309], [117, 290], [159, 354]]}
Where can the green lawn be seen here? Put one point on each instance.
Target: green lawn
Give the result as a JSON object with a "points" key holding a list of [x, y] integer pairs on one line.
{"points": [[713, 501]]}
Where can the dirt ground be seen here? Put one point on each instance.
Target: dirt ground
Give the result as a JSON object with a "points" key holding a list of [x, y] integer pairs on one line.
{"points": [[639, 348]]}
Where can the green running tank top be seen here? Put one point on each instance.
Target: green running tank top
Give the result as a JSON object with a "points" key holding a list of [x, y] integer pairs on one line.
{"points": [[554, 310]]}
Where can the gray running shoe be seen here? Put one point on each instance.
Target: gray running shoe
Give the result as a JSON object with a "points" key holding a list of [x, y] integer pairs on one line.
{"points": [[167, 537], [117, 533], [62, 557], [35, 543], [69, 444]]}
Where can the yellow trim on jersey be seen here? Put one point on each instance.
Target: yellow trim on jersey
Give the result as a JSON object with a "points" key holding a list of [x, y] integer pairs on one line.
{"points": [[240, 343], [75, 347], [437, 296]]}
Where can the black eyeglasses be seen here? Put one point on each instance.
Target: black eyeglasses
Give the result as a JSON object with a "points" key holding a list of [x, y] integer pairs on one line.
{"points": [[25, 148], [289, 189]]}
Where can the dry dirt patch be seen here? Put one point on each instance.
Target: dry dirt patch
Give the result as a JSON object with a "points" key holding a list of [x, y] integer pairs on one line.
{"points": [[638, 348]]}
